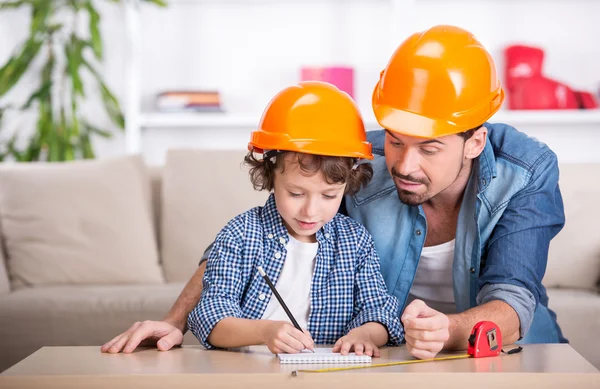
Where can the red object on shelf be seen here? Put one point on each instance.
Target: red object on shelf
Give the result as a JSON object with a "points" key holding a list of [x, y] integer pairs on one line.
{"points": [[528, 88], [542, 93], [586, 100], [340, 76], [522, 62]]}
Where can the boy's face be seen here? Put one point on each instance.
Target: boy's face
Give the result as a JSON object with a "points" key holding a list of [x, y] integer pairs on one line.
{"points": [[305, 202]]}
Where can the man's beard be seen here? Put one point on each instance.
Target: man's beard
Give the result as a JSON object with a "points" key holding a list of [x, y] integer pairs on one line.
{"points": [[408, 197], [411, 198]]}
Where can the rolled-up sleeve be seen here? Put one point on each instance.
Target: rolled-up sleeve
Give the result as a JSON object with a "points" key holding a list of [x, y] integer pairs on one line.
{"points": [[222, 284], [373, 302], [519, 298], [517, 251]]}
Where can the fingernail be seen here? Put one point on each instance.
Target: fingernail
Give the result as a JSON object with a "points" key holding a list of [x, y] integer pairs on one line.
{"points": [[162, 344]]}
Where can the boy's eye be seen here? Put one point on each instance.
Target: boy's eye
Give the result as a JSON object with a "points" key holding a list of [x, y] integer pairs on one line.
{"points": [[329, 197], [295, 194]]}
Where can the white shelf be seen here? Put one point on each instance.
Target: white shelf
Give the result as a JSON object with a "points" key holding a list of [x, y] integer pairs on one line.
{"points": [[207, 120], [228, 120], [195, 2], [566, 116], [198, 120]]}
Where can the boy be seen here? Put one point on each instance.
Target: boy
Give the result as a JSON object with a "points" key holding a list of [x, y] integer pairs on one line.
{"points": [[324, 264]]}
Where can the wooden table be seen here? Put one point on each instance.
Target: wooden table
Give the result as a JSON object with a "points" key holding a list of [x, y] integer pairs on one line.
{"points": [[552, 366]]}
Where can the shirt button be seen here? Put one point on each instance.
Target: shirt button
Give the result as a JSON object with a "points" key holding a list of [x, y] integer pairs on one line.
{"points": [[270, 236], [327, 235], [282, 240], [262, 296], [278, 255], [483, 181], [418, 232], [472, 270]]}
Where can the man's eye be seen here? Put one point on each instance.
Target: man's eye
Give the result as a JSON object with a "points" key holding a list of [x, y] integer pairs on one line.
{"points": [[428, 152]]}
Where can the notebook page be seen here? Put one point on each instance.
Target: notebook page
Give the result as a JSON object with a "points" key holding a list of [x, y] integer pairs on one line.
{"points": [[322, 355]]}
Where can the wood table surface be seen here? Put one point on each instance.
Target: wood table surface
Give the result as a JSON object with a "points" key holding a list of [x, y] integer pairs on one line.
{"points": [[542, 365]]}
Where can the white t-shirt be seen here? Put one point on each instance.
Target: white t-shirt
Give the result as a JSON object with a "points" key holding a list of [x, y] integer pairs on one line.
{"points": [[433, 282], [294, 283]]}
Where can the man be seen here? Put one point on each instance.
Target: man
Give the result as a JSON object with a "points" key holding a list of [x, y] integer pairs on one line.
{"points": [[461, 211]]}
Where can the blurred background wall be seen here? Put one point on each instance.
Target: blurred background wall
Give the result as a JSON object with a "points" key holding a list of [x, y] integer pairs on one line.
{"points": [[249, 49]]}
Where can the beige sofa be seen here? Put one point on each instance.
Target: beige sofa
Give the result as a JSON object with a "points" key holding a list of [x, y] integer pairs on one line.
{"points": [[87, 248]]}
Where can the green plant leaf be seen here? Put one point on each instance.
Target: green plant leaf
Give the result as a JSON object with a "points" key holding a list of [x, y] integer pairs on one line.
{"points": [[74, 59], [40, 11], [13, 4], [52, 28], [111, 104], [40, 93], [33, 150], [160, 3], [12, 150], [95, 39], [75, 5], [85, 145], [46, 128], [17, 65], [95, 130]]}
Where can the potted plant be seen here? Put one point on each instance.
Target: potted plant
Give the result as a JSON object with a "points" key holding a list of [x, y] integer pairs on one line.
{"points": [[62, 132]]}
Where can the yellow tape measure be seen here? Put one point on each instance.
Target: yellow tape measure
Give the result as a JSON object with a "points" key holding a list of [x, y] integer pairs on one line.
{"points": [[462, 356]]}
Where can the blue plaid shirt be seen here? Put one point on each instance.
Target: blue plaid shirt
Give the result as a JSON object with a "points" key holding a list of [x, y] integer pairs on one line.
{"points": [[347, 287]]}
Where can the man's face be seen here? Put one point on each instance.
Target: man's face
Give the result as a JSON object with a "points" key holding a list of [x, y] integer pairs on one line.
{"points": [[423, 168]]}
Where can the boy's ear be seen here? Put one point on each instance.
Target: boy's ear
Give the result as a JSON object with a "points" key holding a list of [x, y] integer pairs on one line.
{"points": [[475, 144]]}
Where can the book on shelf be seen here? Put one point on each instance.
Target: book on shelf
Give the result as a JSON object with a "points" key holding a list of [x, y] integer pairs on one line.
{"points": [[192, 101]]}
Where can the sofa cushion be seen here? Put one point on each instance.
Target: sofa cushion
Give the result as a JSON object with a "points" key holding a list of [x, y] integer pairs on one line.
{"points": [[4, 282], [84, 222], [202, 191], [155, 173], [578, 314], [77, 315], [574, 258]]}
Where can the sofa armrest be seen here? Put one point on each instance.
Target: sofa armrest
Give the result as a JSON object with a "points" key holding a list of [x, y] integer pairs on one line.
{"points": [[4, 281]]}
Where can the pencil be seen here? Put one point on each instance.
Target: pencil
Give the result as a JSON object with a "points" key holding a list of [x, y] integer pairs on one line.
{"points": [[278, 296]]}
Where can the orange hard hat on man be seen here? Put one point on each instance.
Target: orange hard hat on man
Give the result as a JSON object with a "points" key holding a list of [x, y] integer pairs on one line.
{"points": [[438, 82], [312, 117]]}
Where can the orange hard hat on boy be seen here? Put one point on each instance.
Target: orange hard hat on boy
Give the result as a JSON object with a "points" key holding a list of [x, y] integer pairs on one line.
{"points": [[312, 117], [438, 82]]}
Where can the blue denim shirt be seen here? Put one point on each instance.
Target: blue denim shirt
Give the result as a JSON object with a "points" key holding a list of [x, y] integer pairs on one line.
{"points": [[347, 288], [512, 208]]}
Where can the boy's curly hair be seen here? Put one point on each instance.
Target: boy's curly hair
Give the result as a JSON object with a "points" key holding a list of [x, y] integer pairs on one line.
{"points": [[336, 170]]}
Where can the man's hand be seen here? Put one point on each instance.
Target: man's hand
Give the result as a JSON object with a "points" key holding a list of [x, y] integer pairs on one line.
{"points": [[363, 340], [282, 337], [147, 333], [426, 330]]}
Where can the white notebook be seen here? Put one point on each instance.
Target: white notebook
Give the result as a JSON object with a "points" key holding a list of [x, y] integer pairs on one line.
{"points": [[323, 355]]}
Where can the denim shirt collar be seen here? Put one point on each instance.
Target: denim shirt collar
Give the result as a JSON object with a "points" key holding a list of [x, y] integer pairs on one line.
{"points": [[274, 228], [486, 166]]}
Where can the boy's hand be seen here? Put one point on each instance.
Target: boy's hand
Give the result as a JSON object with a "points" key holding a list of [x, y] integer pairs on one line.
{"points": [[359, 340], [283, 337]]}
